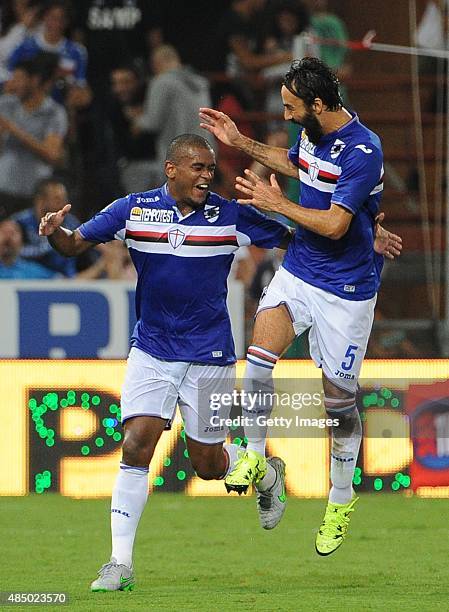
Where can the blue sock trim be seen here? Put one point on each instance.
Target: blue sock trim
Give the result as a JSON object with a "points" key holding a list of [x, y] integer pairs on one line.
{"points": [[123, 466], [262, 365]]}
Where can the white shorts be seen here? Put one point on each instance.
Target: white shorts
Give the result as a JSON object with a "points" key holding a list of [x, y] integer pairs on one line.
{"points": [[339, 329], [154, 387]]}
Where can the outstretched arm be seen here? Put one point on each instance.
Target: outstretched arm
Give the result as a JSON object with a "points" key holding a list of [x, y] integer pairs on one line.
{"points": [[64, 241], [222, 127]]}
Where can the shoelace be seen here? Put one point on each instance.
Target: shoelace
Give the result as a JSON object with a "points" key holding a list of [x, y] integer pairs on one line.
{"points": [[239, 462], [107, 569], [337, 519]]}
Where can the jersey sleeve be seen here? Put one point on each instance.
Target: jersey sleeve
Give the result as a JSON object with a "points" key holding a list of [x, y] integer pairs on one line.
{"points": [[293, 152], [107, 224], [361, 176], [253, 227], [18, 54], [81, 65]]}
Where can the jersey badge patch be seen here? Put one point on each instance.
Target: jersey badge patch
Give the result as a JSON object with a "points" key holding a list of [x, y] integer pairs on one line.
{"points": [[337, 148], [176, 237], [313, 171], [211, 213], [136, 213]]}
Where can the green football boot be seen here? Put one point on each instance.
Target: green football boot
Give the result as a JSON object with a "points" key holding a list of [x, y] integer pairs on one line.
{"points": [[113, 577], [249, 469], [271, 502], [334, 527]]}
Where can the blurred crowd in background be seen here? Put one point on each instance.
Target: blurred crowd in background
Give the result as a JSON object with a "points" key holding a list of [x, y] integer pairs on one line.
{"points": [[92, 92]]}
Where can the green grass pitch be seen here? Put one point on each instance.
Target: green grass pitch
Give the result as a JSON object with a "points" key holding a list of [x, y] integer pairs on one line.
{"points": [[210, 554]]}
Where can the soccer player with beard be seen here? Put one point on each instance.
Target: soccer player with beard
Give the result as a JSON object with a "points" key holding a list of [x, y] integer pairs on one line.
{"points": [[328, 280], [182, 239]]}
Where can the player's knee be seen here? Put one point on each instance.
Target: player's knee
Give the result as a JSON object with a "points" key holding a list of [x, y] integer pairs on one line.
{"points": [[136, 450]]}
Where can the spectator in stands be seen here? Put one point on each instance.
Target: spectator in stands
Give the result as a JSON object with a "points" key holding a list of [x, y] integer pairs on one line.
{"points": [[50, 196], [71, 86], [239, 45], [291, 33], [12, 266], [240, 34], [105, 261], [327, 25], [171, 105], [19, 19], [134, 151], [115, 262], [32, 130], [115, 32], [230, 160]]}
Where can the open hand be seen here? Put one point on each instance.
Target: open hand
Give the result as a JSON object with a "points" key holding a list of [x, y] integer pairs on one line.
{"points": [[52, 220], [386, 243], [262, 195], [220, 125]]}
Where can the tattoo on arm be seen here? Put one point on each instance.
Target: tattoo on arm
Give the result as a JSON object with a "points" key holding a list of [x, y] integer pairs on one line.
{"points": [[275, 158]]}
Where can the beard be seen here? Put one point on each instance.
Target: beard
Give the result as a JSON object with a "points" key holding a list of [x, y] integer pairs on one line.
{"points": [[312, 126]]}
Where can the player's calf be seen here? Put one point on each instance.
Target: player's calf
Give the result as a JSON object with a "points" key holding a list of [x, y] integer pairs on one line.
{"points": [[212, 461]]}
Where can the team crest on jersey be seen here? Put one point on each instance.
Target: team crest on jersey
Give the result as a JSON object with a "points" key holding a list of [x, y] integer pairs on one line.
{"points": [[337, 148], [176, 237], [313, 171], [211, 213], [136, 213]]}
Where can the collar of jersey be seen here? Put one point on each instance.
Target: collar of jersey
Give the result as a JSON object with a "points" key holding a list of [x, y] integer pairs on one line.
{"points": [[172, 202], [336, 133]]}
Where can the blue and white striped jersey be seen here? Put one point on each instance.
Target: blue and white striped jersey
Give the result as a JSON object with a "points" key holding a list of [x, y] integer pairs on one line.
{"points": [[346, 167], [182, 265]]}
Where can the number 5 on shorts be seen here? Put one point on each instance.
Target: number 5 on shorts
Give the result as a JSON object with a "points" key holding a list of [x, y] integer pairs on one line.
{"points": [[350, 355]]}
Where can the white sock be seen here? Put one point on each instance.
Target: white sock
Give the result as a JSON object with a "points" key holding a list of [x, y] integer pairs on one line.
{"points": [[258, 379], [129, 497], [233, 454], [345, 449]]}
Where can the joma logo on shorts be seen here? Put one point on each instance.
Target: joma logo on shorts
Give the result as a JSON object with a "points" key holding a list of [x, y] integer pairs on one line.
{"points": [[345, 375]]}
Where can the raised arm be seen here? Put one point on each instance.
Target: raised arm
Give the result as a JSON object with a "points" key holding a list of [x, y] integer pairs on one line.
{"points": [[332, 223], [64, 241], [222, 127]]}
